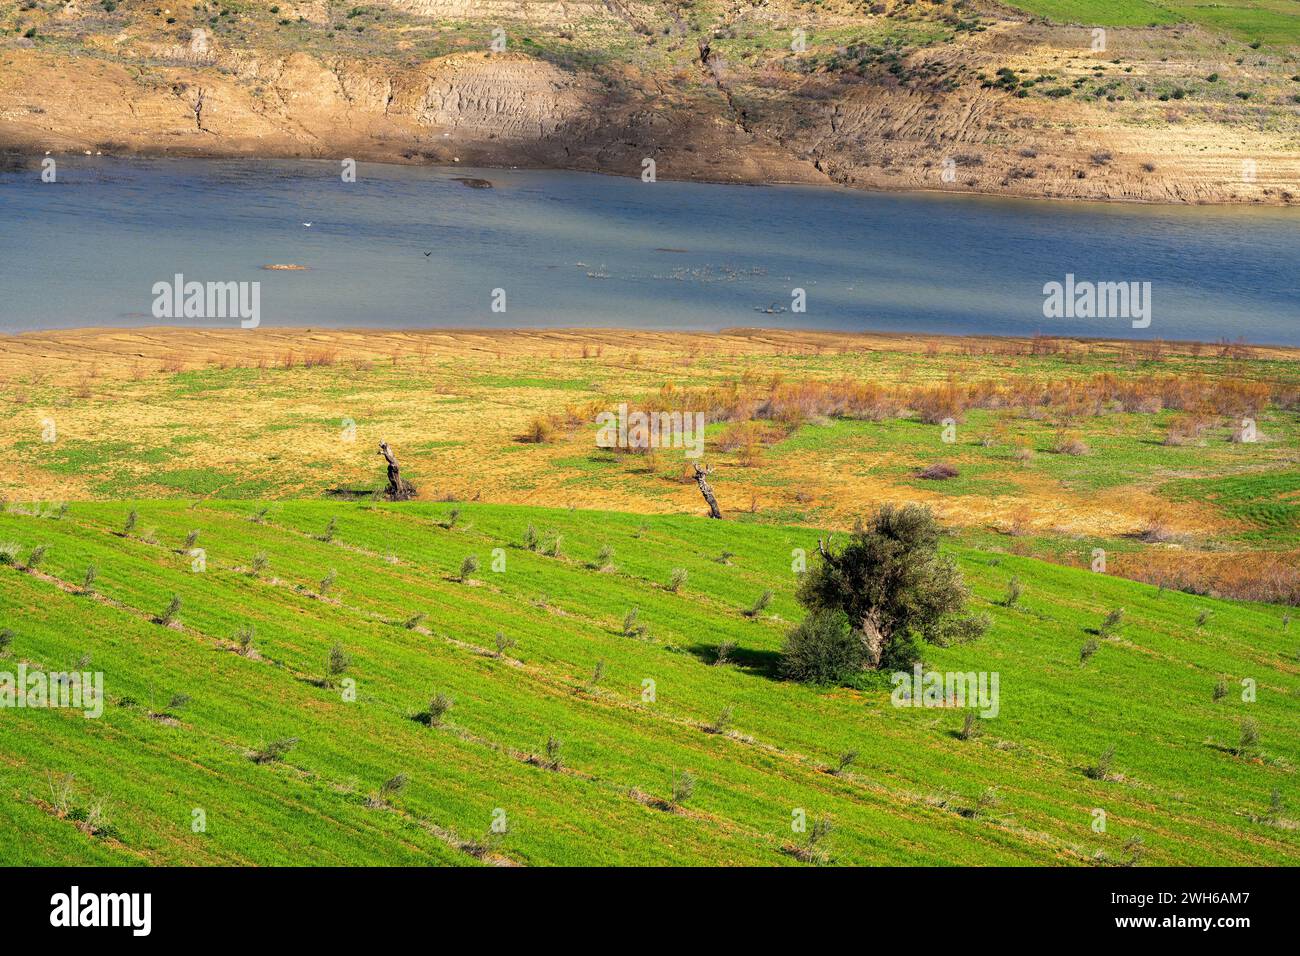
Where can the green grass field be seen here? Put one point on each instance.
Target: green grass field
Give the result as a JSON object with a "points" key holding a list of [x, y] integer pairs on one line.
{"points": [[1275, 22], [1019, 792]]}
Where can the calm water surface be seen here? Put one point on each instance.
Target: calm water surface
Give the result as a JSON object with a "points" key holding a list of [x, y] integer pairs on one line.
{"points": [[574, 249]]}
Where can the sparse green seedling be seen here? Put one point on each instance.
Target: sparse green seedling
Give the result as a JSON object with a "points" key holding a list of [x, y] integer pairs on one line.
{"points": [[504, 643], [759, 606], [274, 751], [677, 580]]}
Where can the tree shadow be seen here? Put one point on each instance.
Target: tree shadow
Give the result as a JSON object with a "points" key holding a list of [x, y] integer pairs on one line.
{"points": [[351, 494], [761, 663]]}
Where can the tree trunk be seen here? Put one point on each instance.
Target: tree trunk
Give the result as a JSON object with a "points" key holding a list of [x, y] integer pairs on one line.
{"points": [[701, 479], [399, 489]]}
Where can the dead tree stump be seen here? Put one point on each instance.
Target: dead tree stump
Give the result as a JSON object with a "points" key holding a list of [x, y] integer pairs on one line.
{"points": [[399, 489], [701, 479]]}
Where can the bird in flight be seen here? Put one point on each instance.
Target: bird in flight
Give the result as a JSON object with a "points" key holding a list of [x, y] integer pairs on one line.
{"points": [[307, 224], [428, 254]]}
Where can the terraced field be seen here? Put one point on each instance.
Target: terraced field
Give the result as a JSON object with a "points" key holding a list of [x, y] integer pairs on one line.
{"points": [[631, 714]]}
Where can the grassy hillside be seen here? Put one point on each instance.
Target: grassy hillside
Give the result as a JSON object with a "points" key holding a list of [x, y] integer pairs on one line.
{"points": [[917, 793], [1269, 21]]}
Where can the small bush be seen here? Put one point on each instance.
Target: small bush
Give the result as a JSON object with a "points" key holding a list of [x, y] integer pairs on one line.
{"points": [[597, 673], [1101, 770], [845, 761], [1089, 648], [412, 622], [328, 534], [131, 519], [337, 664], [1112, 622], [453, 516], [327, 582], [468, 567], [439, 704], [9, 553], [34, 559], [605, 560], [677, 580], [970, 726], [1248, 742], [760, 605], [191, 539], [6, 640], [939, 471], [683, 788], [172, 614], [391, 788], [1220, 689], [823, 649], [553, 746], [504, 643], [275, 750], [722, 723], [530, 538], [631, 628], [260, 561], [1014, 590], [244, 639]]}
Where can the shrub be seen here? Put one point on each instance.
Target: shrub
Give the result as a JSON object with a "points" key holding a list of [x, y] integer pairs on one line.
{"points": [[6, 640], [449, 522], [1070, 445], [391, 788], [630, 626], [939, 471], [191, 539], [597, 673], [439, 704], [1248, 742], [553, 745], [1089, 648], [327, 582], [725, 650], [683, 788], [894, 586], [1014, 590], [555, 550], [970, 726], [468, 567], [1203, 617], [244, 639], [677, 579], [9, 552], [260, 561], [34, 559], [605, 560], [275, 750], [338, 662], [722, 723], [530, 538], [131, 519], [823, 649], [845, 760], [1114, 618], [760, 605], [1101, 770], [328, 534], [539, 431], [1220, 689], [412, 622], [504, 643], [172, 614], [812, 851]]}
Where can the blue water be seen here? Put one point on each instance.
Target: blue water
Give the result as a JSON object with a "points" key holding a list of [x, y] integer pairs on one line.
{"points": [[573, 249]]}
